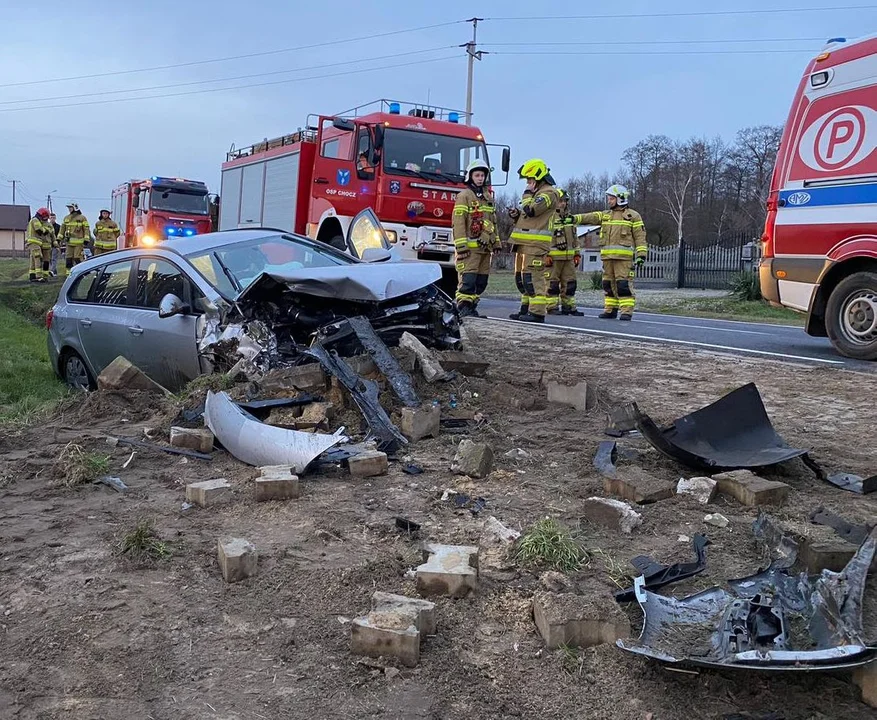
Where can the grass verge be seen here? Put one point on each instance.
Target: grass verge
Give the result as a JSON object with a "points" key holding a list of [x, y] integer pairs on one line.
{"points": [[77, 467], [550, 544]]}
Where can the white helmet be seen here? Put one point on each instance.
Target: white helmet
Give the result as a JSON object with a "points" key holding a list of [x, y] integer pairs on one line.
{"points": [[619, 192], [73, 206], [477, 165]]}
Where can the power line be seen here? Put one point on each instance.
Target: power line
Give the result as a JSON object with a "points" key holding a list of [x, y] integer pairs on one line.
{"points": [[702, 13], [230, 79], [651, 52], [263, 53], [233, 87], [659, 42]]}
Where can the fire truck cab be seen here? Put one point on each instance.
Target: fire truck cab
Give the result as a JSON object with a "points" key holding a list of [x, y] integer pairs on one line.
{"points": [[820, 238], [149, 211]]}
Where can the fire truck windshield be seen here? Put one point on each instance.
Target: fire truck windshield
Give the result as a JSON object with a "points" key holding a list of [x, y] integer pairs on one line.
{"points": [[171, 200], [410, 151]]}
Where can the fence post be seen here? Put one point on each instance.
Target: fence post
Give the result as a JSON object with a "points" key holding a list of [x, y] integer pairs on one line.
{"points": [[680, 269]]}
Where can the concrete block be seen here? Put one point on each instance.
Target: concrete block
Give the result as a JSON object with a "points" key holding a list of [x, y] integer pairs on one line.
{"points": [[278, 471], [751, 490], [638, 487], [198, 439], [207, 492], [308, 378], [450, 570], [866, 679], [818, 555], [122, 374], [423, 611], [473, 459], [464, 363], [368, 464], [237, 559], [427, 361], [362, 364], [573, 395], [579, 620], [422, 422], [369, 638], [277, 488], [702, 489], [716, 520], [611, 514]]}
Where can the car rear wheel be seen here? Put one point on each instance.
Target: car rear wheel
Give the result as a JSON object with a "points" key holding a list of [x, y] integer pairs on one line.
{"points": [[75, 372], [851, 316]]}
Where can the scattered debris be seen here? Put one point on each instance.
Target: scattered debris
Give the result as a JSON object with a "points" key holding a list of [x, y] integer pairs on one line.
{"points": [[702, 489], [450, 570], [751, 490], [412, 469], [129, 460], [657, 576], [733, 432], [567, 619], [612, 514], [398, 379], [639, 487], [855, 534], [207, 492], [406, 525], [254, 406], [622, 419], [426, 360], [716, 519], [237, 559], [307, 377], [494, 531], [473, 459], [113, 482], [122, 374], [606, 457], [395, 627], [277, 483], [197, 439], [854, 483], [811, 550], [255, 443], [462, 501], [516, 454], [164, 448], [574, 395], [369, 463], [421, 422]]}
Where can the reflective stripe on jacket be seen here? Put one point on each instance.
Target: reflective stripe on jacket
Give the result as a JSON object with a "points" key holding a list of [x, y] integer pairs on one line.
{"points": [[622, 233]]}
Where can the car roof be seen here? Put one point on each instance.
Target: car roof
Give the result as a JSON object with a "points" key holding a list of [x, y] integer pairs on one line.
{"points": [[199, 243]]}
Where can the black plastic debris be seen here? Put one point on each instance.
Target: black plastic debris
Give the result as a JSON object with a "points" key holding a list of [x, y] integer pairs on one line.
{"points": [[732, 433], [406, 525], [272, 403], [398, 379], [854, 534], [165, 448], [606, 457], [657, 576], [845, 481], [474, 504], [412, 469]]}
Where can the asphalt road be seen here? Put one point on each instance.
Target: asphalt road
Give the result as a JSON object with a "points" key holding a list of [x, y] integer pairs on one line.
{"points": [[778, 342]]}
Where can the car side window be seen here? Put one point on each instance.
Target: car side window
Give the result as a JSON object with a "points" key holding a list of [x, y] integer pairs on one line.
{"points": [[157, 278], [112, 287], [81, 288]]}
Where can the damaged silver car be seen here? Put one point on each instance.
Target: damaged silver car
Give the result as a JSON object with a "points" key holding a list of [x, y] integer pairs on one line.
{"points": [[201, 304]]}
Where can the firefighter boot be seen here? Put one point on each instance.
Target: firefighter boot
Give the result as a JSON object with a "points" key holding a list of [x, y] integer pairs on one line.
{"points": [[574, 311], [525, 310], [532, 318], [626, 316], [466, 309], [608, 314]]}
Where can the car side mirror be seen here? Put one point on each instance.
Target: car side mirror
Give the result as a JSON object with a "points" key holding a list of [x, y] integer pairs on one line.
{"points": [[171, 305], [372, 255]]}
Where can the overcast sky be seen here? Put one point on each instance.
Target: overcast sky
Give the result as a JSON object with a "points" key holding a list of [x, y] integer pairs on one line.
{"points": [[578, 111]]}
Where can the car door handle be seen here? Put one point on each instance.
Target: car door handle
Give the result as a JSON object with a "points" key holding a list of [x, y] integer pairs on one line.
{"points": [[321, 181], [135, 329], [85, 323]]}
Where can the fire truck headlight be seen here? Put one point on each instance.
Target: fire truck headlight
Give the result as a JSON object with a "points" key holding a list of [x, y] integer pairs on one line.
{"points": [[171, 231], [393, 236], [188, 232], [147, 241]]}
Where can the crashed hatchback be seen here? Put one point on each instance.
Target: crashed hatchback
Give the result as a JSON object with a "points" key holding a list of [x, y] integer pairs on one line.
{"points": [[194, 305]]}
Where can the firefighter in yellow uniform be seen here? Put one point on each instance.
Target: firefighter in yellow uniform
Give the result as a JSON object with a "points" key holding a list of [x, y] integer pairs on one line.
{"points": [[622, 245], [532, 236], [40, 235], [475, 237], [106, 234], [564, 257], [76, 231]]}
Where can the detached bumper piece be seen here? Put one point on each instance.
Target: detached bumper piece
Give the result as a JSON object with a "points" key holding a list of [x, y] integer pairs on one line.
{"points": [[657, 576]]}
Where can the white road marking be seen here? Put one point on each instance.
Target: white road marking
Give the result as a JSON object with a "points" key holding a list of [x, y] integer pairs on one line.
{"points": [[701, 327], [670, 340]]}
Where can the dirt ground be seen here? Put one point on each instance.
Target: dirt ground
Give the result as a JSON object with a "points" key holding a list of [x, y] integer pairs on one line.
{"points": [[87, 633]]}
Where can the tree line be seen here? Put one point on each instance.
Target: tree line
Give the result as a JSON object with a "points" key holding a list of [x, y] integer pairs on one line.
{"points": [[702, 190]]}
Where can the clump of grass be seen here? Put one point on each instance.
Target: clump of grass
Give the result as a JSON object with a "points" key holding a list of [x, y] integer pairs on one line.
{"points": [[550, 544], [745, 286], [142, 543], [617, 571], [217, 382], [596, 278], [573, 662], [79, 467]]}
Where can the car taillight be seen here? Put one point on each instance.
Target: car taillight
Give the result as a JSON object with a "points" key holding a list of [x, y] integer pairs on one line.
{"points": [[49, 317], [767, 238]]}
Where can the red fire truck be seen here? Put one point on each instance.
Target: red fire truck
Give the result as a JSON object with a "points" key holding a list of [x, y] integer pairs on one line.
{"points": [[405, 161], [150, 211]]}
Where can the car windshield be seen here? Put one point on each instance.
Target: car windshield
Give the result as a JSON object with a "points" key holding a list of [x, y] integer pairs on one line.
{"points": [[411, 152], [231, 268], [179, 202]]}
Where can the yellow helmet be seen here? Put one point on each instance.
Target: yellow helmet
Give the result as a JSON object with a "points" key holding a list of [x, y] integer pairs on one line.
{"points": [[535, 169]]}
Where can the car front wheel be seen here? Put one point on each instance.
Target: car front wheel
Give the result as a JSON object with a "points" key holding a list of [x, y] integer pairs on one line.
{"points": [[75, 372], [851, 316]]}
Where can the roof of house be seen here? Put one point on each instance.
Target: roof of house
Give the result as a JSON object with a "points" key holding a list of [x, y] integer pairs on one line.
{"points": [[14, 217]]}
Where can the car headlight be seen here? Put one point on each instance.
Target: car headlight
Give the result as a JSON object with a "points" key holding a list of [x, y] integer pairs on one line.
{"points": [[147, 240]]}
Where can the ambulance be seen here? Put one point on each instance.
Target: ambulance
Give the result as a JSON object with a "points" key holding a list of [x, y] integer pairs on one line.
{"points": [[819, 245]]}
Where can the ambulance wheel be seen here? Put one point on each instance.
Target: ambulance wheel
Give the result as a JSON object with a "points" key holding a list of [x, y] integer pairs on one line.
{"points": [[851, 316]]}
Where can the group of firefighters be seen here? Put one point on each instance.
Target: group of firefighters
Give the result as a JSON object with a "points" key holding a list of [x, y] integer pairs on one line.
{"points": [[546, 246], [73, 236]]}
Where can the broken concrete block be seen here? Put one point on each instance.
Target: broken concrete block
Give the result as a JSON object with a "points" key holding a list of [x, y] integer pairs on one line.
{"points": [[421, 422], [207, 492], [395, 627], [316, 415], [494, 531], [579, 620], [277, 488], [702, 489], [427, 361], [716, 519], [368, 464], [865, 678], [121, 374], [612, 514], [279, 471], [237, 559], [309, 377], [450, 570], [574, 395], [826, 555], [473, 459], [638, 487], [494, 546], [422, 610], [198, 439], [751, 490], [464, 363]]}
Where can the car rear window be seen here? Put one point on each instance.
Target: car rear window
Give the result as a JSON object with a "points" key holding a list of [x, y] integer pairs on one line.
{"points": [[112, 288], [82, 286]]}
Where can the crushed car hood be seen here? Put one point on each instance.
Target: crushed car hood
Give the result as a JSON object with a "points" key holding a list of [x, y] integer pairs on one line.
{"points": [[357, 283]]}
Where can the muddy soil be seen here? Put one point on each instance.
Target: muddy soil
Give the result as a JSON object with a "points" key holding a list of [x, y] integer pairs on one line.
{"points": [[87, 633]]}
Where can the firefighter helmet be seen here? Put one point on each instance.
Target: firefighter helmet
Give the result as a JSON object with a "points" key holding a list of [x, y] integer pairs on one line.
{"points": [[477, 165], [534, 169], [73, 206], [108, 212], [562, 194], [619, 192], [43, 213]]}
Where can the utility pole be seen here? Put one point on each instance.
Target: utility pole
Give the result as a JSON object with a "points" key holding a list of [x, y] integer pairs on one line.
{"points": [[14, 229], [474, 54], [49, 202]]}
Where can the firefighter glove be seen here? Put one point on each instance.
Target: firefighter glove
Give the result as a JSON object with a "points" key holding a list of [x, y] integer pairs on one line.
{"points": [[529, 210], [514, 213], [561, 243], [640, 261]]}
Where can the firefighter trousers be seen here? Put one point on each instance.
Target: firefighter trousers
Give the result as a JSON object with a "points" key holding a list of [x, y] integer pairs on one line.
{"points": [[562, 284], [101, 249], [618, 285], [36, 261], [74, 254], [534, 279], [473, 272]]}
